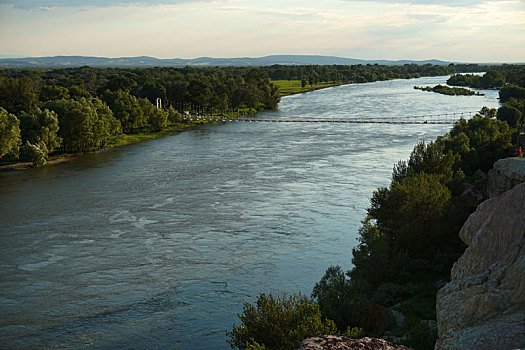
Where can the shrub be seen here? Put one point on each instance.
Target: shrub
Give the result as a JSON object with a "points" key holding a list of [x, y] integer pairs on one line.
{"points": [[278, 323], [339, 300]]}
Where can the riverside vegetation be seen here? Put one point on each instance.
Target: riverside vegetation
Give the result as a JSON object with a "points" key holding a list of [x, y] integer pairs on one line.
{"points": [[407, 243], [61, 112], [447, 90], [85, 109]]}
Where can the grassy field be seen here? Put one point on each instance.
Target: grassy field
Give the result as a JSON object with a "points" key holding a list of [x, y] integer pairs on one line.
{"points": [[124, 139], [290, 87]]}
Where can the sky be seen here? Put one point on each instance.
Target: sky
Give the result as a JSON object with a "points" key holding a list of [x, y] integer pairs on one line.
{"points": [[451, 30]]}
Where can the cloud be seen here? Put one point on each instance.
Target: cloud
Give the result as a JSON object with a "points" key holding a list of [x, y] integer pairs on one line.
{"points": [[491, 30], [49, 4], [453, 3]]}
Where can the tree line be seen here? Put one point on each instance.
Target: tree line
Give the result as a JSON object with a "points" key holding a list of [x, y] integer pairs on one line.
{"points": [[408, 241], [362, 73], [78, 110], [510, 80], [75, 110]]}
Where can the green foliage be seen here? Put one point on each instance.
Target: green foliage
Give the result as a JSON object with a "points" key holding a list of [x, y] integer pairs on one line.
{"points": [[511, 115], [338, 300], [375, 261], [280, 323], [127, 109], [389, 294], [511, 91], [157, 118], [495, 78], [174, 116], [78, 92], [9, 133], [40, 127], [53, 92], [37, 154], [480, 141], [18, 94], [446, 90], [85, 124], [289, 87], [408, 213], [421, 337]]}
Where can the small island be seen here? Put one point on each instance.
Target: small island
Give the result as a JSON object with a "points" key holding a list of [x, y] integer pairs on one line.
{"points": [[447, 90]]}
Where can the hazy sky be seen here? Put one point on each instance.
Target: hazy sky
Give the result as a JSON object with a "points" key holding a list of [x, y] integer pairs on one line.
{"points": [[455, 30]]}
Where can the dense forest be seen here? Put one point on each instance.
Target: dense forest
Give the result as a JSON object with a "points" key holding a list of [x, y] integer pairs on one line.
{"points": [[75, 110], [407, 243], [78, 110]]}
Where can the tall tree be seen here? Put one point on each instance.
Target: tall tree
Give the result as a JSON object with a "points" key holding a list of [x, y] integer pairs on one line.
{"points": [[9, 133], [40, 126]]}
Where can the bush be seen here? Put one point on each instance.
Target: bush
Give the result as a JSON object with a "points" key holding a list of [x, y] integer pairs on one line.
{"points": [[339, 300], [389, 294], [421, 337], [34, 153], [280, 323]]}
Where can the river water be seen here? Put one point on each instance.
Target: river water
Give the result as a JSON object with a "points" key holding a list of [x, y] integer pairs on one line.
{"points": [[158, 244]]}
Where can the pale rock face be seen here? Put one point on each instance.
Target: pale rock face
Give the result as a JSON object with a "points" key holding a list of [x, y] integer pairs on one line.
{"points": [[505, 174], [483, 307]]}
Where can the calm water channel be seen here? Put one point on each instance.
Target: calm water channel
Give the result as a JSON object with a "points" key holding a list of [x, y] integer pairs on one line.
{"points": [[158, 244]]}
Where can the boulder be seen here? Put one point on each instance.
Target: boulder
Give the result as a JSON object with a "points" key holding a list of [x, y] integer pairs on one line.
{"points": [[505, 174], [483, 307]]}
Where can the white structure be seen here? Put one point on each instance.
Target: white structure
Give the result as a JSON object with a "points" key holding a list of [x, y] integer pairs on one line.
{"points": [[159, 103]]}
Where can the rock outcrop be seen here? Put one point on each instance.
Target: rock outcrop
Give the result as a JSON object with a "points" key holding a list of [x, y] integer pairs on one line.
{"points": [[483, 307], [333, 342], [505, 174]]}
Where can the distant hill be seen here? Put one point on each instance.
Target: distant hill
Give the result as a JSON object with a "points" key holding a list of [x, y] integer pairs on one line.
{"points": [[144, 61]]}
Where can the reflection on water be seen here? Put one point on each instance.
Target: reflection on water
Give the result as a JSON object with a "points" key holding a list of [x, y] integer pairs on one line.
{"points": [[158, 244]]}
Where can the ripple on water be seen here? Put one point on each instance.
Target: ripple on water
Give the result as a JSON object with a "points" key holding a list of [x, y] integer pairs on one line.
{"points": [[157, 245]]}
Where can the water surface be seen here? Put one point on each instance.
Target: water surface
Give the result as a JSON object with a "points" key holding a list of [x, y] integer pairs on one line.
{"points": [[158, 244]]}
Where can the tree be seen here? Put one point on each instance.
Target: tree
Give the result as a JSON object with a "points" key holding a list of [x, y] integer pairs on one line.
{"points": [[106, 124], [34, 153], [155, 117], [9, 133], [53, 92], [510, 91], [40, 126], [303, 83], [85, 124], [511, 115], [338, 299], [199, 91], [408, 213], [484, 140], [18, 95], [127, 109]]}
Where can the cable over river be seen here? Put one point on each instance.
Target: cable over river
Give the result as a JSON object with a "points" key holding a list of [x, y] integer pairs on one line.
{"points": [[158, 244]]}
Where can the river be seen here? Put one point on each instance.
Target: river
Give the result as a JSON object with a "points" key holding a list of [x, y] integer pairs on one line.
{"points": [[158, 244]]}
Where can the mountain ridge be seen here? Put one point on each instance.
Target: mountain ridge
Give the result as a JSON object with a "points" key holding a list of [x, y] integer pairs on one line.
{"points": [[147, 61]]}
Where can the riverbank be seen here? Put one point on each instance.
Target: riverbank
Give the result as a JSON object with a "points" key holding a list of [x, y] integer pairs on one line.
{"points": [[293, 87], [114, 142], [286, 88]]}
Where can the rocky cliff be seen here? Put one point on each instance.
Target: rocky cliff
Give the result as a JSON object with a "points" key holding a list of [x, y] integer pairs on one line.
{"points": [[483, 307], [334, 342], [505, 174]]}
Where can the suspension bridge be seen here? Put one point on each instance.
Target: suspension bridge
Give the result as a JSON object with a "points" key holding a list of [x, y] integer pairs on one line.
{"points": [[444, 118]]}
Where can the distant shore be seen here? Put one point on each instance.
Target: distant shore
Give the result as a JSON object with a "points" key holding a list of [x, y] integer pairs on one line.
{"points": [[290, 87]]}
